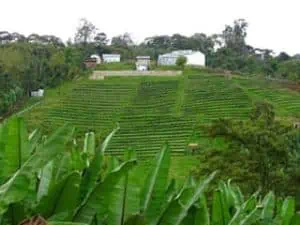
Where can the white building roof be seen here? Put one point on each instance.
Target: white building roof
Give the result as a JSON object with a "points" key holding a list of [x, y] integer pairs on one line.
{"points": [[111, 55]]}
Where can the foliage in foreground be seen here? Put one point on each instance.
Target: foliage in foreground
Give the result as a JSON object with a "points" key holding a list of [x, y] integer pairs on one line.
{"points": [[53, 178], [263, 151]]}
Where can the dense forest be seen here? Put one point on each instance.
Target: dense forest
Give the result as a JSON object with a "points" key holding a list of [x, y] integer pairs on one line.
{"points": [[39, 61]]}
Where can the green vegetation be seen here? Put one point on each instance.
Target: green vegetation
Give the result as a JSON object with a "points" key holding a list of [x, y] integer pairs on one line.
{"points": [[153, 110], [181, 61], [262, 152], [65, 183], [117, 66]]}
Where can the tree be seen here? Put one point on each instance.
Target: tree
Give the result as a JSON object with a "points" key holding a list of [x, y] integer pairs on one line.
{"points": [[181, 61], [124, 40], [283, 56], [234, 36], [101, 39], [203, 43], [263, 143], [85, 32]]}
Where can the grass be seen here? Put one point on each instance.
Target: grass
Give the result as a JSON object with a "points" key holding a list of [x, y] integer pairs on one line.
{"points": [[154, 110]]}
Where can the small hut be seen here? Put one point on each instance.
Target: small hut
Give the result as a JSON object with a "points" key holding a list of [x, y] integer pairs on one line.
{"points": [[90, 62], [193, 148], [143, 63]]}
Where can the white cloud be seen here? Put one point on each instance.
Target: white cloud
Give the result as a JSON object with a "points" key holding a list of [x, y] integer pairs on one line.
{"points": [[272, 23]]}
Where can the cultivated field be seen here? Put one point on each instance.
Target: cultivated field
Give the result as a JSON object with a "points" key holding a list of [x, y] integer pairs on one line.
{"points": [[155, 110]]}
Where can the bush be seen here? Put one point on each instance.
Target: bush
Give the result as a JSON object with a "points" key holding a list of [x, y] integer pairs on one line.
{"points": [[181, 61]]}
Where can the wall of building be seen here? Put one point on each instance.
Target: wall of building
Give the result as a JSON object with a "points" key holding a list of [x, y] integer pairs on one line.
{"points": [[196, 59]]}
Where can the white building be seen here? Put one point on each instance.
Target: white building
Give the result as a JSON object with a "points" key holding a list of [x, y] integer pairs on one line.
{"points": [[97, 57], [111, 58], [38, 93], [195, 58], [142, 63]]}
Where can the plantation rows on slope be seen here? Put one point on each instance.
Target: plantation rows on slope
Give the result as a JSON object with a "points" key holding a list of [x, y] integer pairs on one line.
{"points": [[152, 111]]}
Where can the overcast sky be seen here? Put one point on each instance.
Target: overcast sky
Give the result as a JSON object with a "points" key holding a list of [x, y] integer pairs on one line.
{"points": [[273, 24]]}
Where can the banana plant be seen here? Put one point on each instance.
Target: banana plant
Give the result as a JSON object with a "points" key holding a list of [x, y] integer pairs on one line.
{"points": [[66, 184]]}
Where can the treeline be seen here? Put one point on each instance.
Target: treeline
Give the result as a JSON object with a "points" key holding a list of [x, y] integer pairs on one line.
{"points": [[39, 61]]}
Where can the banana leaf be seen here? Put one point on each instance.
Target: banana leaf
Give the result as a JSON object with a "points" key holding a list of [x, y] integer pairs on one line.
{"points": [[268, 207], [15, 146], [62, 197], [45, 180], [98, 200], [179, 207], [16, 188], [287, 210], [92, 173], [125, 197], [155, 186]]}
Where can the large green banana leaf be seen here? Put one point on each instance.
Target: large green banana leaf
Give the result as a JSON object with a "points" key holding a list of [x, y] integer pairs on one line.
{"points": [[268, 207], [155, 186], [247, 208], [98, 200], [15, 146], [296, 219], [16, 188], [288, 210], [62, 197], [220, 209], [92, 173], [125, 197], [202, 213], [45, 180], [179, 207], [89, 147]]}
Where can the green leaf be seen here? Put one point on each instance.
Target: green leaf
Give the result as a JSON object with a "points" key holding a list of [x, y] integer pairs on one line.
{"points": [[153, 192], [220, 210], [64, 223], [179, 207], [45, 181], [107, 139], [98, 200], [92, 173], [244, 210], [288, 210], [89, 146], [296, 219], [202, 213], [268, 206], [15, 146], [62, 197], [16, 188], [252, 217], [34, 138], [124, 199]]}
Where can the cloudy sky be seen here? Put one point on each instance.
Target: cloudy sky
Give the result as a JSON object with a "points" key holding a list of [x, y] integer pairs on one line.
{"points": [[273, 24]]}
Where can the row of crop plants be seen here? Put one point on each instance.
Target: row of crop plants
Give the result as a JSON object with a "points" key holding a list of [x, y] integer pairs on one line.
{"points": [[150, 121]]}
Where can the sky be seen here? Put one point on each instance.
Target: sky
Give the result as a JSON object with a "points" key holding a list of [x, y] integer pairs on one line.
{"points": [[273, 24]]}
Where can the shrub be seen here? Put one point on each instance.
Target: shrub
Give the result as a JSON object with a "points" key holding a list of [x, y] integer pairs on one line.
{"points": [[181, 61]]}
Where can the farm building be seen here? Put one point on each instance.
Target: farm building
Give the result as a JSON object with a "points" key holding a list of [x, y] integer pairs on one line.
{"points": [[38, 93], [111, 58], [195, 58], [142, 63], [97, 57], [90, 62]]}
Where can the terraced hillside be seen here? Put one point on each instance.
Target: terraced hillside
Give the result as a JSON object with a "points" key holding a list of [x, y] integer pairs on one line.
{"points": [[154, 110]]}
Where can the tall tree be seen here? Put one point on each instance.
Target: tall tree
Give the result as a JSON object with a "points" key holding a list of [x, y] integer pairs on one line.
{"points": [[234, 36], [123, 40], [85, 32]]}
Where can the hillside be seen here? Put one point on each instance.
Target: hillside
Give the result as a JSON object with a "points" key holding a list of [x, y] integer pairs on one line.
{"points": [[154, 110]]}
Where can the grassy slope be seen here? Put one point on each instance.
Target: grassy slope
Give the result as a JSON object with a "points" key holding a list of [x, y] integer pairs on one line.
{"points": [[153, 110]]}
